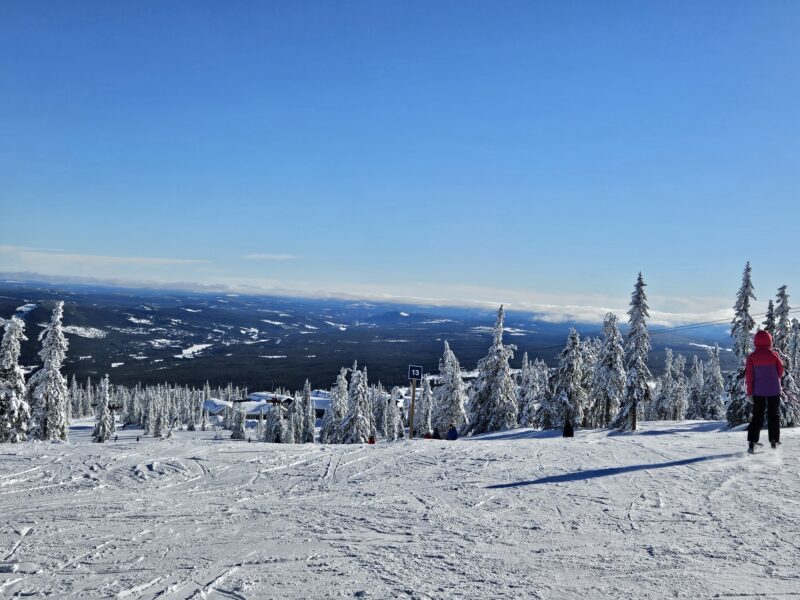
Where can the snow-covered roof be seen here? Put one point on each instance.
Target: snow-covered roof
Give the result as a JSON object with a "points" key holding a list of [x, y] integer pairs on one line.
{"points": [[215, 406]]}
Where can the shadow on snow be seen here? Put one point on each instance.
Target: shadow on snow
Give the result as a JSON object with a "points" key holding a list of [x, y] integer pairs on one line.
{"points": [[595, 473]]}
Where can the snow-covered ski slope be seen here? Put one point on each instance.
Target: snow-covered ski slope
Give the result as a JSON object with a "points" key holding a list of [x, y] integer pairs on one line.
{"points": [[676, 510]]}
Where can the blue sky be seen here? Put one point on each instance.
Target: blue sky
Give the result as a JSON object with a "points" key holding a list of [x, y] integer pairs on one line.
{"points": [[527, 152]]}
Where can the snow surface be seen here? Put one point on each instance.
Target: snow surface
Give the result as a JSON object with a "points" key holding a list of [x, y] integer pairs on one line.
{"points": [[192, 351], [677, 510]]}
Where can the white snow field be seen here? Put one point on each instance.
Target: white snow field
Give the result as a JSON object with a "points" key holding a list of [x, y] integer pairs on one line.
{"points": [[677, 510]]}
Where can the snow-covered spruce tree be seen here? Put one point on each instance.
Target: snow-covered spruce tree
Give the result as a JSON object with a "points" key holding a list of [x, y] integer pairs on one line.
{"points": [[394, 426], [696, 383], [540, 397], [680, 388], [449, 398], [423, 410], [662, 406], [608, 382], [526, 392], [356, 427], [103, 426], [493, 396], [783, 326], [739, 410], [275, 428], [570, 395], [14, 410], [379, 401], [769, 319], [332, 420], [238, 421], [88, 398], [790, 401], [637, 347], [590, 352], [713, 407], [793, 350], [47, 388], [309, 416]]}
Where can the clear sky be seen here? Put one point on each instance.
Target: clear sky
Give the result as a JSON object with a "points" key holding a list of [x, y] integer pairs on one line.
{"points": [[527, 152]]}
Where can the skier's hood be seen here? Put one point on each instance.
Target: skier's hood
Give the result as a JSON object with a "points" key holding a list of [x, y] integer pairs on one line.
{"points": [[763, 339]]}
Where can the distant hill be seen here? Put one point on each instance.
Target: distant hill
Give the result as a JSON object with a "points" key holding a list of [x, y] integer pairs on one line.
{"points": [[150, 336]]}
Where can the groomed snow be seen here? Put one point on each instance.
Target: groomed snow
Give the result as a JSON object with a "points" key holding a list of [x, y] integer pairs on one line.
{"points": [[677, 510]]}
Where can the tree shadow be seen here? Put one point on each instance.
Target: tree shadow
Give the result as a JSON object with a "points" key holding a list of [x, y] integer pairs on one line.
{"points": [[595, 473]]}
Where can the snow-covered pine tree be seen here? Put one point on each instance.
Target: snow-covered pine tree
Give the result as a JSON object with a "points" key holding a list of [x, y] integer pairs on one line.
{"points": [[14, 410], [449, 398], [793, 350], [238, 421], [47, 388], [662, 406], [379, 398], [539, 399], [526, 391], [696, 383], [783, 326], [103, 426], [713, 406], [87, 398], [275, 429], [590, 352], [355, 427], [637, 347], [423, 410], [569, 392], [739, 410], [394, 427], [309, 416], [493, 401], [680, 388], [769, 319], [333, 417], [608, 382]]}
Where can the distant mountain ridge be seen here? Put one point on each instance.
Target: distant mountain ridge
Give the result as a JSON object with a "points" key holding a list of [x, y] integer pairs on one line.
{"points": [[261, 342]]}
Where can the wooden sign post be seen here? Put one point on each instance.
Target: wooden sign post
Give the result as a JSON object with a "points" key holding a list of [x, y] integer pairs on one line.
{"points": [[414, 373]]}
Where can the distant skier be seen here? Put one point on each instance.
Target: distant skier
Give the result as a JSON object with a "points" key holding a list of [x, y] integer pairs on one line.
{"points": [[763, 373], [452, 433], [569, 430], [436, 434]]}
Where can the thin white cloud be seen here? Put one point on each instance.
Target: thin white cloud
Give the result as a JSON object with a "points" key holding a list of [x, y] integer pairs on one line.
{"points": [[60, 258], [269, 256]]}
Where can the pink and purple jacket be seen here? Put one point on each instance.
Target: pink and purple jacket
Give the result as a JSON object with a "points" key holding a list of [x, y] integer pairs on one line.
{"points": [[764, 368]]}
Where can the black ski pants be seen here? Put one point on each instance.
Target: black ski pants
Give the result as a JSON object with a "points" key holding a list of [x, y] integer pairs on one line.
{"points": [[770, 404]]}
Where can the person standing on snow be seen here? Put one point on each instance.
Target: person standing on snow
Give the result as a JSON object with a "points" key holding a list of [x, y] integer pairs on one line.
{"points": [[763, 373]]}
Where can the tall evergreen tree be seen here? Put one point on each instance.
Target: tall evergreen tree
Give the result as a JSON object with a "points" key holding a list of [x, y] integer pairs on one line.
{"points": [[608, 382], [356, 428], [637, 347], [14, 410], [238, 421], [493, 401], [423, 410], [793, 350], [662, 407], [309, 416], [449, 398], [47, 388], [696, 383], [103, 426], [569, 393], [713, 406], [394, 426], [769, 320], [739, 410], [783, 325], [680, 389], [332, 420]]}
